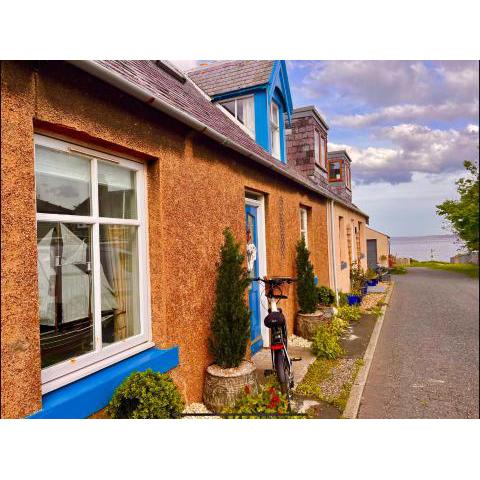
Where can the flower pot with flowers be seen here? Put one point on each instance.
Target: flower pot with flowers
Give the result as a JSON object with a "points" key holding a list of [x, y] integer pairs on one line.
{"points": [[230, 373]]}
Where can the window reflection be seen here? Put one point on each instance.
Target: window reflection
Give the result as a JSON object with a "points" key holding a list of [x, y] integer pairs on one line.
{"points": [[62, 182], [65, 290], [120, 295]]}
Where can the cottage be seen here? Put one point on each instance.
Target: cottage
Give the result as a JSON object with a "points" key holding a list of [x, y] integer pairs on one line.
{"points": [[378, 248], [307, 148], [118, 178]]}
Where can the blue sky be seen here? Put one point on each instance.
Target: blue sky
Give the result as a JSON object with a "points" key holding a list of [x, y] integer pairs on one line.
{"points": [[407, 125]]}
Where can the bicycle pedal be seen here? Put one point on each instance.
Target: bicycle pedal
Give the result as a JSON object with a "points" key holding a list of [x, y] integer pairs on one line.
{"points": [[296, 359]]}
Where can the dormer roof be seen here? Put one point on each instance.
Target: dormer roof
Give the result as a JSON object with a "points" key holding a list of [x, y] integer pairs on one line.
{"points": [[339, 155], [310, 111], [232, 75]]}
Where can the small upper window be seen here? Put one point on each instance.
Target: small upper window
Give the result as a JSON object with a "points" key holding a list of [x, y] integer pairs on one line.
{"points": [[304, 224], [243, 110], [335, 173], [348, 179], [275, 127], [317, 147], [323, 152]]}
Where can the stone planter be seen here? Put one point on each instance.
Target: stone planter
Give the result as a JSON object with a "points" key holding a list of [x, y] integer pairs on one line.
{"points": [[307, 323], [224, 385]]}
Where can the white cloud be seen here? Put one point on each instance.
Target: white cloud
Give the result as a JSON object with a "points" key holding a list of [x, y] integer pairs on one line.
{"points": [[415, 148], [392, 82], [400, 113], [472, 128]]}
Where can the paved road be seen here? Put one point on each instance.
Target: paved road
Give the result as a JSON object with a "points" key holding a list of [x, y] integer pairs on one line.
{"points": [[426, 360]]}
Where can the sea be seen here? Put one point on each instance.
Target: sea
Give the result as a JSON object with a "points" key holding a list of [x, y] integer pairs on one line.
{"points": [[429, 247]]}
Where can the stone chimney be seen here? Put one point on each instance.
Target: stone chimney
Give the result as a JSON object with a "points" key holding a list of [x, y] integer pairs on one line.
{"points": [[307, 144], [340, 178]]}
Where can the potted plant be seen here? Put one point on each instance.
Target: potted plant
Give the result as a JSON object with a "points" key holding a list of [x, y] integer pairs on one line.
{"points": [[358, 280], [227, 377], [326, 301], [354, 297], [371, 277], [309, 316]]}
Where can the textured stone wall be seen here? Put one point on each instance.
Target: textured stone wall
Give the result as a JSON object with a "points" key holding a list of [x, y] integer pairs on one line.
{"points": [[345, 244], [301, 148], [195, 189]]}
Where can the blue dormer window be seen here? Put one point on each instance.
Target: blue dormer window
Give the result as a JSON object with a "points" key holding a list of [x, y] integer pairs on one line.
{"points": [[243, 110], [275, 129], [255, 94]]}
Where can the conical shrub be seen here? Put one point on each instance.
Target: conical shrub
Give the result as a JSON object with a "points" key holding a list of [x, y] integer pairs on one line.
{"points": [[231, 316]]}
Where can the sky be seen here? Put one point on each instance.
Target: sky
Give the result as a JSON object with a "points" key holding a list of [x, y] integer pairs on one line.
{"points": [[408, 126]]}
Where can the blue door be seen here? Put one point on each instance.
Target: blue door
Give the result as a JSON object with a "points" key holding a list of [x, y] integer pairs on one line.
{"points": [[254, 290]]}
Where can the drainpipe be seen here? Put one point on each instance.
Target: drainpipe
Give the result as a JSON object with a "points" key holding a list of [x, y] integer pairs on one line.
{"points": [[333, 247]]}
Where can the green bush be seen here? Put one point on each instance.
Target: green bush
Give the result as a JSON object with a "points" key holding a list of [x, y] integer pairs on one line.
{"points": [[146, 395], [306, 289], [326, 296], [231, 317], [342, 299], [349, 313], [339, 326], [269, 401], [325, 343]]}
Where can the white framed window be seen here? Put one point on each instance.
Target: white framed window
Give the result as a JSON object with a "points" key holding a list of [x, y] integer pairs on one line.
{"points": [[243, 110], [92, 260], [316, 138], [275, 129], [304, 224]]}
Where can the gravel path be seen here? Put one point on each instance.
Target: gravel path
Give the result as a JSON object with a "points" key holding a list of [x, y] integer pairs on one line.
{"points": [[426, 360]]}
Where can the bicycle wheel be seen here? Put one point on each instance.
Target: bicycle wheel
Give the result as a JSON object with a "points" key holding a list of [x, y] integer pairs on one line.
{"points": [[282, 368]]}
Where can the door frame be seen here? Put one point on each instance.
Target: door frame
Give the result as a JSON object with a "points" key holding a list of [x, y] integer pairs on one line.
{"points": [[262, 259]]}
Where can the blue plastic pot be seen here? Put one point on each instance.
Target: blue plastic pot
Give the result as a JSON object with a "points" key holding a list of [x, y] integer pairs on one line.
{"points": [[372, 283], [354, 299]]}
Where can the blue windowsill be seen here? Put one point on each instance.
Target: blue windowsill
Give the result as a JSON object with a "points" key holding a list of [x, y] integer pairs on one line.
{"points": [[88, 395]]}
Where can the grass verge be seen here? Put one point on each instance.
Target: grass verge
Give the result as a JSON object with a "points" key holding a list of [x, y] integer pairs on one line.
{"points": [[466, 268], [320, 374]]}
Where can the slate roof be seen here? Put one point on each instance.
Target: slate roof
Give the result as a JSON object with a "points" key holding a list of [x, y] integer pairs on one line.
{"points": [[187, 97], [229, 76]]}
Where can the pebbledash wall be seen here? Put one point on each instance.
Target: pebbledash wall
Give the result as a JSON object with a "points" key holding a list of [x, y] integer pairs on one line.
{"points": [[195, 189], [350, 245]]}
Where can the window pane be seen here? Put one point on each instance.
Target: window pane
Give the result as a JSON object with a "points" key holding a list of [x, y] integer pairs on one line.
{"points": [[62, 182], [317, 147], [119, 281], [274, 113], [335, 171], [65, 290], [249, 114], [275, 142], [240, 104], [322, 151], [230, 106], [116, 191]]}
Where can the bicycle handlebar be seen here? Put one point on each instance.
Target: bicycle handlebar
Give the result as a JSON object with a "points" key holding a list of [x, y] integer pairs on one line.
{"points": [[275, 280]]}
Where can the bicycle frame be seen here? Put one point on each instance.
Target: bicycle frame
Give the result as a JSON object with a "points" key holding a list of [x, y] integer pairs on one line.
{"points": [[275, 321]]}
